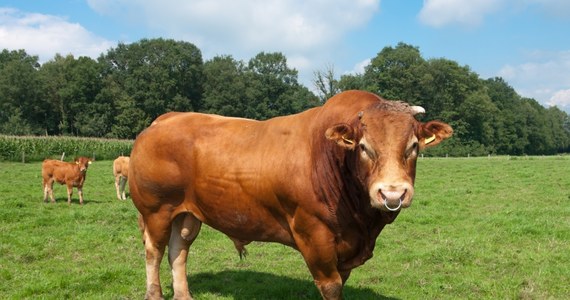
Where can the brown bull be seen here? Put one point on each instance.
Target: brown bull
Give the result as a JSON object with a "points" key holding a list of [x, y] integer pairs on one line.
{"points": [[121, 174], [71, 174], [325, 182]]}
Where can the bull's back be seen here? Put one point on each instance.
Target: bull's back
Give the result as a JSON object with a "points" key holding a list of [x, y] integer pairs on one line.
{"points": [[181, 148]]}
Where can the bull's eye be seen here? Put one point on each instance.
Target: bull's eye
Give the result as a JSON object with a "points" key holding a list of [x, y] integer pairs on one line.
{"points": [[363, 150], [413, 150]]}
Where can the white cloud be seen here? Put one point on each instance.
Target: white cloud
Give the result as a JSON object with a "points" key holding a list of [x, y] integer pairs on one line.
{"points": [[439, 13], [46, 35], [359, 68], [545, 77], [300, 29], [561, 99]]}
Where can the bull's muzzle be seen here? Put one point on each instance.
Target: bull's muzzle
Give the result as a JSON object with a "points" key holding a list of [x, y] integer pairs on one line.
{"points": [[391, 197]]}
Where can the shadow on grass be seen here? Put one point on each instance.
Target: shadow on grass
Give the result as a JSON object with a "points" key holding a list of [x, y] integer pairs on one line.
{"points": [[247, 285], [73, 201]]}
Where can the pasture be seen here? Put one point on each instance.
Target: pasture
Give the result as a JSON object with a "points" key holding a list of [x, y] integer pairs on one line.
{"points": [[479, 228]]}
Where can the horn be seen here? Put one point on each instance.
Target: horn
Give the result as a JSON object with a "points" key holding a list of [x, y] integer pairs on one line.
{"points": [[417, 110]]}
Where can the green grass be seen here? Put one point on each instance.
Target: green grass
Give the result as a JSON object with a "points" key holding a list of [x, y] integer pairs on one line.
{"points": [[479, 228]]}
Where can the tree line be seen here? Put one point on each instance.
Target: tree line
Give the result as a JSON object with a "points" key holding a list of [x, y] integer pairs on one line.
{"points": [[118, 94]]}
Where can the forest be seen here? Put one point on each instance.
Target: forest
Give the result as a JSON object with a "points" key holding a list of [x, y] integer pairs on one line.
{"points": [[123, 90]]}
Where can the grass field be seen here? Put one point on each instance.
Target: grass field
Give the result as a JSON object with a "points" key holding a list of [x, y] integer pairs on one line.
{"points": [[479, 228]]}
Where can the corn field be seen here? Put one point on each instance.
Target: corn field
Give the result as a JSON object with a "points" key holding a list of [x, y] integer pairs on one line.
{"points": [[33, 148]]}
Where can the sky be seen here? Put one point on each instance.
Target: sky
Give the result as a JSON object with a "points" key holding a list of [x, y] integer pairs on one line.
{"points": [[526, 42]]}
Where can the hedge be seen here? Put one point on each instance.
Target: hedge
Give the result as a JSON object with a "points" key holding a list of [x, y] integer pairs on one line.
{"points": [[34, 148]]}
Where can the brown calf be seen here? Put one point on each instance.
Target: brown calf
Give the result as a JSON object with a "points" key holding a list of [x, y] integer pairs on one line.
{"points": [[71, 174], [121, 173]]}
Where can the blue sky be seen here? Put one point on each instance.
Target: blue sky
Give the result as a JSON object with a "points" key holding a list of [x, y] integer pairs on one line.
{"points": [[527, 42]]}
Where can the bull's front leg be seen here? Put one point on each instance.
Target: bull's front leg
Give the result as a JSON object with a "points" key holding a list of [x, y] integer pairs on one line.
{"points": [[319, 251], [80, 193]]}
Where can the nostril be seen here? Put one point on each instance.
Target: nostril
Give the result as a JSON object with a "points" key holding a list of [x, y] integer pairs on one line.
{"points": [[391, 195]]}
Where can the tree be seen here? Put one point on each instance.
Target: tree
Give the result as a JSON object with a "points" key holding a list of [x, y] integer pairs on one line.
{"points": [[394, 73], [511, 135], [326, 84], [275, 90], [558, 124], [71, 87], [160, 75], [225, 87], [354, 82], [476, 114], [21, 108]]}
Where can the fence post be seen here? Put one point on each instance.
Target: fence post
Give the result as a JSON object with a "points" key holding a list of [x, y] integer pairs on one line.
{"points": [[62, 156], [23, 157]]}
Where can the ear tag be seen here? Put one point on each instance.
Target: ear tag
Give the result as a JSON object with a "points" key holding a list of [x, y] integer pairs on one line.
{"points": [[347, 141], [429, 140]]}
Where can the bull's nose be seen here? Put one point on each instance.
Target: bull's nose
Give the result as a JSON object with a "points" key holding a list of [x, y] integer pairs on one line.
{"points": [[392, 195], [392, 198]]}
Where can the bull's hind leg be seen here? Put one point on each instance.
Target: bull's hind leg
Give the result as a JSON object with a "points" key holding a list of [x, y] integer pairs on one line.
{"points": [[185, 228], [46, 190], [49, 187], [157, 228], [123, 187], [118, 186], [69, 193]]}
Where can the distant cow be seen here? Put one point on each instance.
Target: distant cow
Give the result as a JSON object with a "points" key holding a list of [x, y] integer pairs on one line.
{"points": [[71, 174], [121, 173], [324, 182]]}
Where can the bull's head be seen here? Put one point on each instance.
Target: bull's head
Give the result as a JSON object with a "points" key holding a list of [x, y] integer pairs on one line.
{"points": [[83, 163], [385, 144]]}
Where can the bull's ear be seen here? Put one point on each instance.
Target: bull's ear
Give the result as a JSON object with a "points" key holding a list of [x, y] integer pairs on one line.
{"points": [[343, 135], [433, 133]]}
